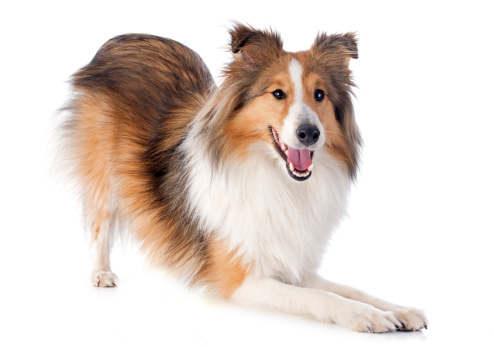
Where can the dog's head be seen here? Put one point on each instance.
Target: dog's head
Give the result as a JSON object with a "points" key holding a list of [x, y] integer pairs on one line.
{"points": [[297, 103]]}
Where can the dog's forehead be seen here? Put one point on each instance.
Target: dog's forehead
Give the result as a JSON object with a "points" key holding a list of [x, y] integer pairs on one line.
{"points": [[290, 67]]}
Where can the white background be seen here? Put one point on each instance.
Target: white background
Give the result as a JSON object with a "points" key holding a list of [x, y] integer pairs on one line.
{"points": [[420, 229]]}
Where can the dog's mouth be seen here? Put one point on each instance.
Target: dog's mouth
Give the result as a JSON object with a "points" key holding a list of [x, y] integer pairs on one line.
{"points": [[298, 161]]}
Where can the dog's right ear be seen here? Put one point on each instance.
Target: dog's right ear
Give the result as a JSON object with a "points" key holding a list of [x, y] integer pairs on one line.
{"points": [[252, 46]]}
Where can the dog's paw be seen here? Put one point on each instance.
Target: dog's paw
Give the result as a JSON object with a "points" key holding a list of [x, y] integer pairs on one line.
{"points": [[104, 279], [410, 319], [366, 318]]}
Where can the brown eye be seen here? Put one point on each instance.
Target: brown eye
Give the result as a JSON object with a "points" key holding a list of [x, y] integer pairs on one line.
{"points": [[319, 95], [279, 94]]}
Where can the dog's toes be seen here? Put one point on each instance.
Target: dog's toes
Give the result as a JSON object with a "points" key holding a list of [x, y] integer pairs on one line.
{"points": [[104, 279], [411, 319], [372, 320]]}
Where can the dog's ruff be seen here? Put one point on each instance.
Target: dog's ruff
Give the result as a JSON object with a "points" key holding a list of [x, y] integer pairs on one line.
{"points": [[237, 188]]}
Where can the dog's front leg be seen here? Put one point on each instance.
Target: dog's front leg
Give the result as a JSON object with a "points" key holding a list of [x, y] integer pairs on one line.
{"points": [[315, 303], [410, 318]]}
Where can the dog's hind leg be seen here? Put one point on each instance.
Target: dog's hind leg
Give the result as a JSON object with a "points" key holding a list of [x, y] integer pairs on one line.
{"points": [[101, 232], [94, 146], [101, 220]]}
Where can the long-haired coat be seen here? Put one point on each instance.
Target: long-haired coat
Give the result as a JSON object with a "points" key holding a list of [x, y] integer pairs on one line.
{"points": [[235, 187]]}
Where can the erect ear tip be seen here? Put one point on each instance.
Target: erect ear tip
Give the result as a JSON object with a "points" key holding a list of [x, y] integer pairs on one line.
{"points": [[350, 40], [239, 34], [253, 46], [347, 41]]}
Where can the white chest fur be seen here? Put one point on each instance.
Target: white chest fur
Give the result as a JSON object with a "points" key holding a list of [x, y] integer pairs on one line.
{"points": [[278, 226]]}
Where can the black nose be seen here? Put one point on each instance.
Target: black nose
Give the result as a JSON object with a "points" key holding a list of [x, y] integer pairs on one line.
{"points": [[308, 134]]}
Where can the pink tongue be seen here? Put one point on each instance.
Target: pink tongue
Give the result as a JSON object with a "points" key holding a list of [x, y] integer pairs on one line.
{"points": [[300, 158]]}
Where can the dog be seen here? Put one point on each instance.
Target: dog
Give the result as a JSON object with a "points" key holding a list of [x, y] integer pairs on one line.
{"points": [[236, 188]]}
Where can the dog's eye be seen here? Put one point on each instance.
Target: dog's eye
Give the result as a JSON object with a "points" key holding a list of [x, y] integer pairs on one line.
{"points": [[319, 95], [279, 94]]}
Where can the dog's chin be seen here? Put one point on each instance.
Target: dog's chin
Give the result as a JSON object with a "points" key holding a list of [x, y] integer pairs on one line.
{"points": [[303, 169]]}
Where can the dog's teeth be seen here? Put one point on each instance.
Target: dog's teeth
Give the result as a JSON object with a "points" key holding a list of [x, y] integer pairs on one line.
{"points": [[292, 168], [286, 152], [310, 167], [283, 148]]}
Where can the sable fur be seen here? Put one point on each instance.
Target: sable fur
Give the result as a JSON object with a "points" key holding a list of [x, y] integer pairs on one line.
{"points": [[154, 144], [145, 91]]}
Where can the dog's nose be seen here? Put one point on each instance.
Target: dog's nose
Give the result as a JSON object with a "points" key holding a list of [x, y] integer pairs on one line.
{"points": [[308, 134]]}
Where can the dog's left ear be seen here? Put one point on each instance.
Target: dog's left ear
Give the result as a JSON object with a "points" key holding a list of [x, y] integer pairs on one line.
{"points": [[254, 47], [337, 47]]}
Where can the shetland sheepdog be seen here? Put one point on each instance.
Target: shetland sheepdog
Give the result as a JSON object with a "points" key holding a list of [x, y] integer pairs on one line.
{"points": [[237, 187]]}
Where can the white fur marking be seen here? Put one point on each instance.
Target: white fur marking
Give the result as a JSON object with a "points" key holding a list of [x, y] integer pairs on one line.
{"points": [[318, 304], [277, 225], [299, 112]]}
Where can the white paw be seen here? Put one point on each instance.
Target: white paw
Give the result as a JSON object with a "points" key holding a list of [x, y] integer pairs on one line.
{"points": [[410, 318], [367, 318], [104, 279]]}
